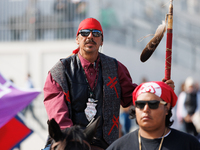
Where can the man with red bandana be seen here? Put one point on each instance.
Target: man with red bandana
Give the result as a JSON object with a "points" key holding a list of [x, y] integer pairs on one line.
{"points": [[153, 102], [89, 84]]}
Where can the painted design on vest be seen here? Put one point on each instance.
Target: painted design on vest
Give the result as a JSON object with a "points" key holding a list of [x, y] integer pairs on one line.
{"points": [[115, 123], [113, 84], [67, 96]]}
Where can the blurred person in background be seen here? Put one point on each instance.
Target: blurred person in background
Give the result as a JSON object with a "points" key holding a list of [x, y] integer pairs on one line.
{"points": [[153, 103], [30, 107], [60, 7], [188, 105], [33, 20], [65, 14], [89, 84], [125, 122]]}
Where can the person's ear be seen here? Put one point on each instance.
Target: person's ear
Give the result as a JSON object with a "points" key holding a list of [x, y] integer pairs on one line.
{"points": [[167, 108], [77, 40], [101, 43]]}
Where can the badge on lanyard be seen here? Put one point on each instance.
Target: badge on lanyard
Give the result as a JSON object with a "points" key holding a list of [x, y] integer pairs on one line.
{"points": [[90, 110]]}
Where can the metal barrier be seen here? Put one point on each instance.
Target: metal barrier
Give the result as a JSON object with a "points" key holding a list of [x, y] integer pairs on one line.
{"points": [[123, 22], [30, 20]]}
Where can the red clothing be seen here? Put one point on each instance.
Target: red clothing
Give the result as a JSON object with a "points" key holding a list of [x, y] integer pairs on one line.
{"points": [[54, 98], [90, 69]]}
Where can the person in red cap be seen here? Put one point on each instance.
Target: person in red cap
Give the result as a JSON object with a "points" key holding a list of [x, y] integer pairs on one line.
{"points": [[89, 84], [153, 103]]}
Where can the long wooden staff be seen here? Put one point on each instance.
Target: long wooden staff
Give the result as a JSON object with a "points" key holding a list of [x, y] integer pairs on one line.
{"points": [[153, 43], [169, 42]]}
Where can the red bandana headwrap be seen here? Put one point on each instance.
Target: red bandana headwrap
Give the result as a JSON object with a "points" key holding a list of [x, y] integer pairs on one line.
{"points": [[90, 23], [161, 89]]}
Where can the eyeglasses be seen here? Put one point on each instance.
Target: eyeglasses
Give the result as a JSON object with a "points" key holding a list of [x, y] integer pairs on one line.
{"points": [[86, 32], [153, 104]]}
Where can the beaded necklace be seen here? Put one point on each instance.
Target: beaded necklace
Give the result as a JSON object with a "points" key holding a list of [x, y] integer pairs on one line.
{"points": [[139, 139]]}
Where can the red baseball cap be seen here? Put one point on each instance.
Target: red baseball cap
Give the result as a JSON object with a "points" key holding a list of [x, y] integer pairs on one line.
{"points": [[161, 89], [90, 23]]}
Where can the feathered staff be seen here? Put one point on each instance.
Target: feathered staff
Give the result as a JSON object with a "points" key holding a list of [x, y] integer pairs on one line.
{"points": [[169, 42], [153, 43]]}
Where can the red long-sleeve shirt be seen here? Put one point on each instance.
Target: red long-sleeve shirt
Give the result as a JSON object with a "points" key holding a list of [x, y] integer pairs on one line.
{"points": [[54, 98]]}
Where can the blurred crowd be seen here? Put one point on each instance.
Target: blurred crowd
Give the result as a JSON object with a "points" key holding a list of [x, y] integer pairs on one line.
{"points": [[33, 23], [188, 107]]}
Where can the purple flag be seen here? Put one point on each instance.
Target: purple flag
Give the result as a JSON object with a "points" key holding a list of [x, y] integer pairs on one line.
{"points": [[13, 99]]}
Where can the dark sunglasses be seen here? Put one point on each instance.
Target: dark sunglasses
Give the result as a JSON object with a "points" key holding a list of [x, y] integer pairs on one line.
{"points": [[86, 32], [153, 104]]}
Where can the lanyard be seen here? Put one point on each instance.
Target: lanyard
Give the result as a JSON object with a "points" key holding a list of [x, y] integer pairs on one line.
{"points": [[95, 82]]}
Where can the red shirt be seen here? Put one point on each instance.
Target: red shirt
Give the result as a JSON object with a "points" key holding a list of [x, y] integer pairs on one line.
{"points": [[90, 69], [54, 98]]}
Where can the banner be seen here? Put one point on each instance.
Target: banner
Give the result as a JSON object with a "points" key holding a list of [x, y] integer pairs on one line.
{"points": [[13, 99], [13, 133]]}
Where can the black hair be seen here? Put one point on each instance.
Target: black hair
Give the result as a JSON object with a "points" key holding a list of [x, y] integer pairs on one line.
{"points": [[168, 122]]}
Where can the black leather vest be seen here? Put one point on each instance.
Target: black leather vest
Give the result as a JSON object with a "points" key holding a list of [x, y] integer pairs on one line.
{"points": [[68, 73]]}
